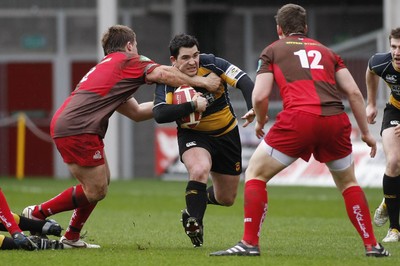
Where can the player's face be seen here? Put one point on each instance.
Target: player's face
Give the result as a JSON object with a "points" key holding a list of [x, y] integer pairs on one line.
{"points": [[395, 50], [188, 60]]}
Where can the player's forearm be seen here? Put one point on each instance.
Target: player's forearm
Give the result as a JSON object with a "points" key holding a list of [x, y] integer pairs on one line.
{"points": [[262, 89], [261, 111], [372, 82], [145, 112], [357, 106], [136, 112], [260, 107], [173, 77], [166, 113], [246, 85]]}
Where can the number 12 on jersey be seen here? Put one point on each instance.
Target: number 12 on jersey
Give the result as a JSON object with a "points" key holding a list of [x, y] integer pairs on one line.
{"points": [[313, 55]]}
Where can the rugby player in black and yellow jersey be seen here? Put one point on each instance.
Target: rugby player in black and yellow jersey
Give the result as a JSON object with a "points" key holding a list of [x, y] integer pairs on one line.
{"points": [[16, 224], [386, 66], [213, 147]]}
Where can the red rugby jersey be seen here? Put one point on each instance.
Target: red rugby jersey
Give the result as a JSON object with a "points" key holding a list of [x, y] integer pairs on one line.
{"points": [[99, 93], [304, 71]]}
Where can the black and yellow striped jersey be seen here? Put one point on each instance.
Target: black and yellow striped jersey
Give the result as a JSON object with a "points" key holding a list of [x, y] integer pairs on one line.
{"points": [[219, 117], [381, 64]]}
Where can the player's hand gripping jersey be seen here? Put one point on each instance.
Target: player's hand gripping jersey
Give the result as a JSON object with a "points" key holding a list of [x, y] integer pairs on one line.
{"points": [[219, 117], [381, 64]]}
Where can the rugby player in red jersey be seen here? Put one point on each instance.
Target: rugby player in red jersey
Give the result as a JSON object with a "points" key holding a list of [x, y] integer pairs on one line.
{"points": [[311, 79], [80, 124]]}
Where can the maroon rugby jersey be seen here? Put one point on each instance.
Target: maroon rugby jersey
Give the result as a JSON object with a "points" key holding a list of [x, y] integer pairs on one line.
{"points": [[304, 71], [99, 93]]}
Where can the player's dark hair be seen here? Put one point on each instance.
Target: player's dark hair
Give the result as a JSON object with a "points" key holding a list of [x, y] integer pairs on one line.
{"points": [[116, 37], [394, 34], [182, 40], [292, 19]]}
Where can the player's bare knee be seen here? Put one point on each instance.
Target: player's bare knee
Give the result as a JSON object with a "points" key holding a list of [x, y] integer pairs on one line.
{"points": [[228, 203], [101, 195], [96, 194], [227, 200], [392, 166], [198, 174]]}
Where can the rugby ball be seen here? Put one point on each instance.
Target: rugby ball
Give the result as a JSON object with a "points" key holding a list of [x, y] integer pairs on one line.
{"points": [[184, 94]]}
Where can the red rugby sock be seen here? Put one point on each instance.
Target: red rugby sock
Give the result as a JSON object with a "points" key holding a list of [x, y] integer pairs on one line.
{"points": [[255, 209], [6, 217], [358, 212], [69, 199], [78, 219]]}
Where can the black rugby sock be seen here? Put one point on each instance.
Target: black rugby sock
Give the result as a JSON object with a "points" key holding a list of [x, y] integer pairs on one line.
{"points": [[30, 224], [196, 199], [211, 196], [391, 191]]}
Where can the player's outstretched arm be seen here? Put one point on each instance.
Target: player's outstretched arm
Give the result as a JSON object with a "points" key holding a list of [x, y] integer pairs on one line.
{"points": [[135, 111], [173, 77]]}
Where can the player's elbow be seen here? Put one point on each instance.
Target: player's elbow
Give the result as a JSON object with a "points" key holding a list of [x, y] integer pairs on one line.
{"points": [[355, 98], [160, 75], [159, 116], [259, 101]]}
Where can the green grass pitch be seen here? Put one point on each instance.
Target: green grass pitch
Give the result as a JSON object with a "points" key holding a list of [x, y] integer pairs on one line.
{"points": [[138, 223]]}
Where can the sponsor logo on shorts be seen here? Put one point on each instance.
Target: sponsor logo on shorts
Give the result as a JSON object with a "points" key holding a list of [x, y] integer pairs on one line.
{"points": [[248, 220], [237, 167], [97, 155], [394, 122], [191, 144]]}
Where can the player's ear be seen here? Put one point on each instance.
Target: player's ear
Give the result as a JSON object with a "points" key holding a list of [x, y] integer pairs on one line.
{"points": [[128, 46], [173, 60], [279, 31]]}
